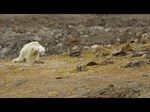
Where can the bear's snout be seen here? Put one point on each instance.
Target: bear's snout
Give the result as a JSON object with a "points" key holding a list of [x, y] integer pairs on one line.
{"points": [[42, 53]]}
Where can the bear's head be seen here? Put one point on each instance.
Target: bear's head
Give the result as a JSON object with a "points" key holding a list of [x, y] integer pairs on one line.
{"points": [[41, 50]]}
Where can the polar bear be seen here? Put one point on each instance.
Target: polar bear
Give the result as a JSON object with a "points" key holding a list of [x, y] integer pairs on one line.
{"points": [[30, 53]]}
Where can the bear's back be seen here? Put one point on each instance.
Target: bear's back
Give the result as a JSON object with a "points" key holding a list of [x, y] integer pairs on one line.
{"points": [[31, 45], [35, 43]]}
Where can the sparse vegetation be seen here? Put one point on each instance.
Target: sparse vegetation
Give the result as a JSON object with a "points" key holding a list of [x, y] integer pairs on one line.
{"points": [[39, 80]]}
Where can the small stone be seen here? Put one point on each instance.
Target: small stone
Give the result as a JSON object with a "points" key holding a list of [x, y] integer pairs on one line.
{"points": [[58, 77], [144, 75], [111, 85], [85, 36], [39, 62], [81, 68], [148, 62]]}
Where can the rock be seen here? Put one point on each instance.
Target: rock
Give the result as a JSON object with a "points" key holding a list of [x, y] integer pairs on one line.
{"points": [[107, 29], [134, 54], [52, 94], [122, 38], [92, 63], [145, 38], [5, 50], [36, 38], [86, 47], [75, 54], [59, 45], [81, 32], [75, 51], [147, 56], [134, 40], [107, 62], [111, 85], [128, 93], [81, 67], [58, 77], [45, 28], [56, 41], [81, 27], [148, 51], [127, 48], [102, 54], [132, 64], [148, 62], [107, 46], [72, 41], [85, 36], [123, 51], [74, 96], [57, 36], [18, 30], [39, 62], [95, 48], [96, 27], [118, 53], [95, 32], [141, 53]]}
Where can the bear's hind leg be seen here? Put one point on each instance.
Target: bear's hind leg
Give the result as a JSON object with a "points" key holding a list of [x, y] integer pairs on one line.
{"points": [[19, 59]]}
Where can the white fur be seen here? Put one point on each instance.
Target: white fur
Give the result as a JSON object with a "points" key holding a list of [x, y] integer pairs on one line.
{"points": [[30, 53]]}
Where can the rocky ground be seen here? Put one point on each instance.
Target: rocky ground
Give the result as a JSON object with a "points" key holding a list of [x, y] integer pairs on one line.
{"points": [[87, 56]]}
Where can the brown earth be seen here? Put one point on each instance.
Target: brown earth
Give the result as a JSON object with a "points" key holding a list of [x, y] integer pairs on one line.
{"points": [[58, 77]]}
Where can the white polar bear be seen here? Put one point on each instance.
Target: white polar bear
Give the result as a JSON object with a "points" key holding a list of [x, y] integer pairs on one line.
{"points": [[30, 53]]}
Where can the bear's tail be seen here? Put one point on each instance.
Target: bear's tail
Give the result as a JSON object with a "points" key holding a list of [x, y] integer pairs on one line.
{"points": [[15, 60]]}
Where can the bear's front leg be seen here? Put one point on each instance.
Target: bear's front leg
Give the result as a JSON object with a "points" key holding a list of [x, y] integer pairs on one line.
{"points": [[30, 59], [37, 56]]}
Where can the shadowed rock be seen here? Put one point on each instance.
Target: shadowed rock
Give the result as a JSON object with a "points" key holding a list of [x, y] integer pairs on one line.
{"points": [[92, 63], [123, 51], [118, 53]]}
